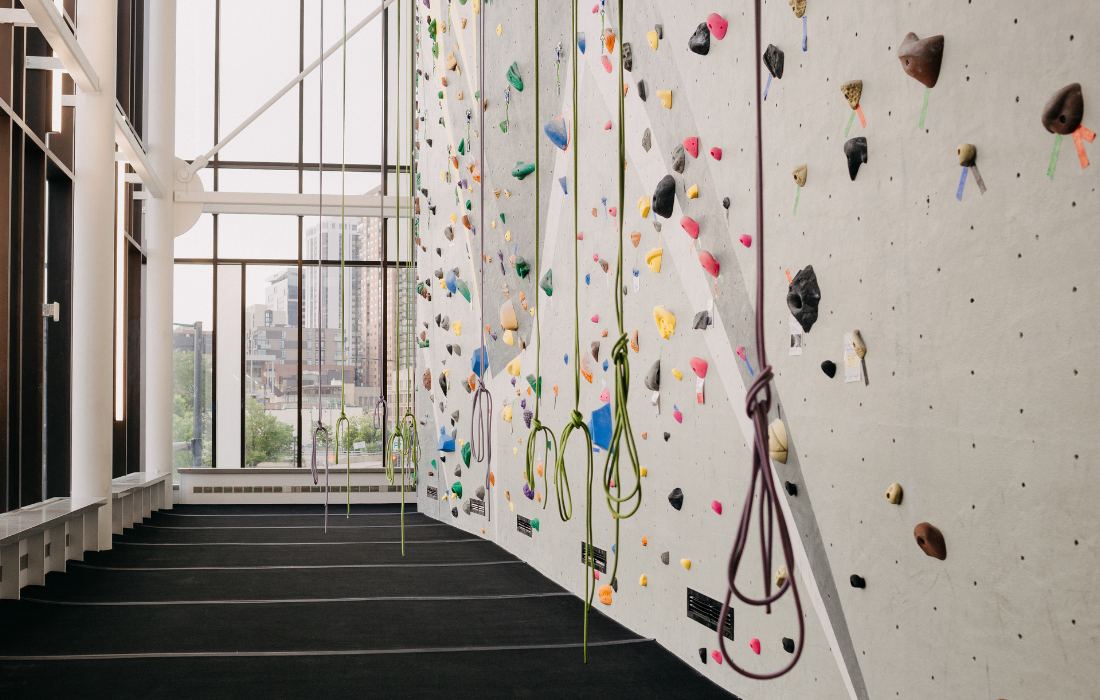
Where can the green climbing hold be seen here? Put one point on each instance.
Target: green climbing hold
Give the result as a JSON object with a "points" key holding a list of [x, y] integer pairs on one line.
{"points": [[477, 95], [423, 343], [462, 147], [522, 268], [435, 50], [462, 289], [522, 169], [547, 283], [504, 126], [469, 206], [513, 77], [432, 29], [461, 2], [457, 488], [502, 218], [535, 385], [535, 524], [466, 453], [441, 94]]}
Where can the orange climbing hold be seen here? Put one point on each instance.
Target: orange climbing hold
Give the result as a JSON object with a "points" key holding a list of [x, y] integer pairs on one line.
{"points": [[605, 595]]}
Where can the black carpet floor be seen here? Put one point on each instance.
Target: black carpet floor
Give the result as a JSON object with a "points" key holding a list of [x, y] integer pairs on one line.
{"points": [[259, 601]]}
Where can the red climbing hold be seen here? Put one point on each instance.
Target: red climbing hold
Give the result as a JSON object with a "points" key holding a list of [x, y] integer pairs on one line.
{"points": [[614, 211], [677, 415], [754, 644], [699, 366], [716, 507], [709, 263], [746, 240], [717, 25], [596, 318], [716, 656], [716, 153], [691, 145], [690, 226]]}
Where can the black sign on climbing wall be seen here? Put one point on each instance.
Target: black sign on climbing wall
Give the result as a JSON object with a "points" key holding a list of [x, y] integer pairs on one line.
{"points": [[523, 525], [477, 507], [706, 611], [599, 558], [433, 494]]}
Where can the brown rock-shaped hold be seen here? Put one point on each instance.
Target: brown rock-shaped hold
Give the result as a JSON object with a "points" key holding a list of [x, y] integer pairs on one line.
{"points": [[921, 58], [930, 540], [799, 7], [428, 379], [1062, 115], [508, 320], [967, 154], [799, 174], [852, 91]]}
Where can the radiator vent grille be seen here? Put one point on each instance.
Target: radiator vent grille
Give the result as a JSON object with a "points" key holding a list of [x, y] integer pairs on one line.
{"points": [[706, 611]]}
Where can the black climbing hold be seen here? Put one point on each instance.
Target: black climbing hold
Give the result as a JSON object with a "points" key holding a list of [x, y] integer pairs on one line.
{"points": [[857, 581], [647, 141], [439, 252], [454, 512], [1062, 114], [855, 150], [615, 584], [443, 383], [773, 59], [595, 350], [429, 142], [667, 436], [829, 368], [466, 507], [628, 56], [660, 29], [676, 498], [703, 654], [702, 320], [803, 296], [664, 558], [438, 319], [450, 349], [679, 158], [657, 225], [700, 41], [641, 90], [792, 489], [788, 645], [664, 197], [653, 377], [726, 202]]}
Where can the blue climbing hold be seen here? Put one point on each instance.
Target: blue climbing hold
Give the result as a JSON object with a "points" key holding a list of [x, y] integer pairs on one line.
{"points": [[446, 443], [601, 426], [588, 279], [561, 181], [580, 41], [480, 361], [558, 133], [605, 365], [449, 280], [566, 358]]}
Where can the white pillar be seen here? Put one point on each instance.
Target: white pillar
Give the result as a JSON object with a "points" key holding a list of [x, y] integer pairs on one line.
{"points": [[94, 263], [160, 139]]}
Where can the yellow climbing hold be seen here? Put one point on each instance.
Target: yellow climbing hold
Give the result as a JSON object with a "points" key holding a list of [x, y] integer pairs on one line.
{"points": [[693, 192], [493, 224], [644, 471], [513, 367], [686, 563], [499, 29], [653, 259], [666, 322], [777, 441], [452, 62], [454, 219], [509, 339], [508, 236], [457, 327], [780, 576], [652, 36], [664, 95], [477, 9], [643, 207], [605, 595], [512, 506], [678, 374], [642, 580]]}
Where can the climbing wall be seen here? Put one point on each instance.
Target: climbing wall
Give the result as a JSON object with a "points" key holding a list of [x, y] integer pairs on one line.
{"points": [[941, 208]]}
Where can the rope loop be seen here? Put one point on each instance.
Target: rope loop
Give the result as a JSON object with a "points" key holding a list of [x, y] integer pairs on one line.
{"points": [[481, 436], [533, 442]]}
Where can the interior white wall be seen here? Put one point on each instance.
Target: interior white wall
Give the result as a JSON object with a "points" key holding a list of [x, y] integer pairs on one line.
{"points": [[982, 398]]}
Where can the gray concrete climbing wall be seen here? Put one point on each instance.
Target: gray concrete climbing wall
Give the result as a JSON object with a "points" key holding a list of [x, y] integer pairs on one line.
{"points": [[979, 399]]}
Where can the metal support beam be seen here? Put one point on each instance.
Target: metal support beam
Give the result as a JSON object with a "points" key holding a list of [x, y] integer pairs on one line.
{"points": [[291, 204], [132, 149], [56, 31]]}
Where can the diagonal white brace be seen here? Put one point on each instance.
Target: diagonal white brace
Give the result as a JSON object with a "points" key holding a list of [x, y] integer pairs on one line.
{"points": [[56, 31]]}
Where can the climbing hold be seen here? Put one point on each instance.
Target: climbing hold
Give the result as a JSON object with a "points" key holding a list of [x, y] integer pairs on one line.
{"points": [[676, 414], [852, 90], [457, 327], [457, 488], [676, 373], [754, 644], [855, 150], [601, 426], [709, 263], [513, 367], [799, 7], [716, 656], [664, 558], [652, 37], [642, 580], [427, 379], [595, 350], [628, 56], [646, 144], [467, 508], [449, 280], [893, 494], [788, 643], [635, 238], [514, 77], [580, 41], [462, 289], [535, 524], [667, 436], [643, 94], [500, 28], [699, 366], [586, 368], [799, 174], [829, 368], [803, 297], [717, 25], [699, 42], [773, 60], [506, 416], [609, 41], [676, 498], [665, 96], [746, 240], [691, 145], [653, 259], [666, 322], [690, 226], [634, 341], [921, 58], [558, 133], [595, 318], [716, 507], [858, 344], [777, 441], [664, 197], [702, 320], [508, 320], [607, 126], [606, 63], [716, 153], [686, 563], [522, 170], [522, 267], [693, 192], [452, 62], [643, 206], [678, 158], [967, 154], [1062, 113], [454, 512], [547, 283], [930, 540], [857, 581], [653, 377], [780, 576], [509, 338]]}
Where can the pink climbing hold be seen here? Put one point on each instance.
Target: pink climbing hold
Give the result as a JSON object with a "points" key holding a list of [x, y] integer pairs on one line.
{"points": [[699, 366], [691, 145], [690, 226], [746, 240], [677, 415], [716, 507], [605, 395], [595, 257], [596, 574], [741, 352], [754, 644], [709, 263], [716, 153], [716, 656], [580, 235], [596, 318], [606, 63], [595, 9], [717, 25], [607, 126], [614, 211]]}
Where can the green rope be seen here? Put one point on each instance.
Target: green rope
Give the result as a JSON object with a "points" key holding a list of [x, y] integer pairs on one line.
{"points": [[343, 419], [621, 429], [536, 426], [561, 478], [395, 446]]}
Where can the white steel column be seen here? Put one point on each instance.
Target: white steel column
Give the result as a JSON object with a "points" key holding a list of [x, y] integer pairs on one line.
{"points": [[94, 264], [160, 139]]}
